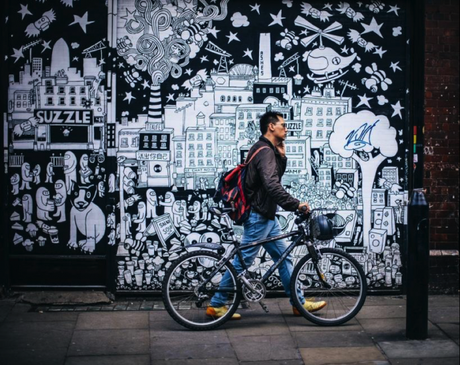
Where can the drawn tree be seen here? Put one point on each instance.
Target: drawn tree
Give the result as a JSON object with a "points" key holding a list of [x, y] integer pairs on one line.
{"points": [[369, 140], [161, 39]]}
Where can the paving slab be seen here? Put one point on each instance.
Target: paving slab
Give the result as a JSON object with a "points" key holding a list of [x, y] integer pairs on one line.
{"points": [[443, 300], [37, 336], [379, 311], [300, 324], [431, 361], [41, 317], [177, 351], [394, 329], [419, 349], [451, 329], [249, 327], [273, 362], [5, 309], [109, 342], [220, 361], [337, 355], [33, 356], [265, 348], [443, 314], [339, 339], [186, 337], [64, 297], [109, 360], [112, 320]]}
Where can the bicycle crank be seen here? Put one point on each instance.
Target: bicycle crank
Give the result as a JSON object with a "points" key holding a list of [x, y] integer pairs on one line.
{"points": [[255, 292]]}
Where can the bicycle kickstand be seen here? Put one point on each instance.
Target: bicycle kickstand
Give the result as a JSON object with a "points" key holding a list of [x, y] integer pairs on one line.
{"points": [[264, 306]]}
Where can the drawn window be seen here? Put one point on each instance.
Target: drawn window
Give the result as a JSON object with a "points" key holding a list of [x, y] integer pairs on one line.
{"points": [[208, 136], [200, 147], [240, 99], [179, 163], [124, 142], [249, 115], [209, 154], [241, 125], [258, 90], [329, 111], [234, 99], [61, 101], [72, 90], [229, 98], [179, 154], [338, 111], [294, 149], [328, 122], [240, 115], [191, 137], [49, 90], [277, 90], [191, 155], [200, 154], [328, 133], [209, 162], [200, 137], [264, 90], [49, 101], [200, 163], [250, 99], [82, 90], [309, 123], [319, 111], [319, 134], [72, 100], [222, 98], [320, 123], [300, 149], [61, 90], [288, 149], [18, 104], [308, 133], [300, 164], [309, 111], [48, 83], [271, 90], [282, 90]]}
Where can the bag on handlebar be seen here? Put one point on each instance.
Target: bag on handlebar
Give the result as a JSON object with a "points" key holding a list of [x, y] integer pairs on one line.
{"points": [[230, 191]]}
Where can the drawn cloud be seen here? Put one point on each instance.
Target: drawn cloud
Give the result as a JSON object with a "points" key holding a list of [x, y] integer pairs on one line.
{"points": [[239, 20]]}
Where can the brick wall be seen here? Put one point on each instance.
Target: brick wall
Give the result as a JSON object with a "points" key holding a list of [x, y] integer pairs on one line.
{"points": [[441, 144]]}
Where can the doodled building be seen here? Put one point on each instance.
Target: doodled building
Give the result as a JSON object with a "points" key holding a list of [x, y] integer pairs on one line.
{"points": [[69, 108]]}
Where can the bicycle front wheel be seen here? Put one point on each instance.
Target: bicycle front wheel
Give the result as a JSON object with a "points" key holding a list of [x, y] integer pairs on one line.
{"points": [[344, 291], [190, 283]]}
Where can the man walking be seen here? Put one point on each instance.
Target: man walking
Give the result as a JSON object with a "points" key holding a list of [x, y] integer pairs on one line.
{"points": [[265, 193]]}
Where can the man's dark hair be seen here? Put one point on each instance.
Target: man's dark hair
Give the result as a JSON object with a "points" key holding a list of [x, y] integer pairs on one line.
{"points": [[267, 118]]}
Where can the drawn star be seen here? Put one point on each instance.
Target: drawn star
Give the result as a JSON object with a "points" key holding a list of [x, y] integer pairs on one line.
{"points": [[304, 32], [145, 84], [46, 45], [188, 71], [397, 109], [129, 16], [306, 89], [327, 6], [255, 7], [231, 62], [277, 19], [372, 27], [17, 54], [215, 62], [394, 9], [6, 19], [101, 62], [399, 158], [248, 53], [380, 51], [291, 69], [121, 65], [24, 11], [213, 31], [232, 37], [360, 3], [344, 50], [75, 59], [83, 21], [401, 141], [170, 97], [364, 100], [204, 59], [395, 66], [129, 96]]}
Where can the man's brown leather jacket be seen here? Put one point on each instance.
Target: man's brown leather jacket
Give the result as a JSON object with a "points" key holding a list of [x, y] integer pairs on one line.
{"points": [[263, 181]]}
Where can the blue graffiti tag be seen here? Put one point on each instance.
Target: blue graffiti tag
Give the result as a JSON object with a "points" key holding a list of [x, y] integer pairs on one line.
{"points": [[358, 139]]}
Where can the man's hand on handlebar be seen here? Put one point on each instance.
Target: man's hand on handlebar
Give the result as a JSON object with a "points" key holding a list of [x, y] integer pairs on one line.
{"points": [[304, 207]]}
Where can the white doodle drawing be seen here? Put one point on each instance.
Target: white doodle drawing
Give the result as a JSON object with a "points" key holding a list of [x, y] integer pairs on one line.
{"points": [[86, 218], [45, 204], [26, 176], [36, 174], [15, 180], [60, 198], [289, 39], [85, 171], [309, 10], [70, 170], [345, 8], [140, 217], [377, 78], [369, 140], [42, 24], [239, 20], [49, 173], [27, 208], [152, 203]]}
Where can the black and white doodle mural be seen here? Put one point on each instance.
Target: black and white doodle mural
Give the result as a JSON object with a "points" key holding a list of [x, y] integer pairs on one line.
{"points": [[123, 114]]}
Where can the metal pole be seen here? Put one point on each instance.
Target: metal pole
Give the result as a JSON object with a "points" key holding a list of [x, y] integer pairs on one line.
{"points": [[418, 267]]}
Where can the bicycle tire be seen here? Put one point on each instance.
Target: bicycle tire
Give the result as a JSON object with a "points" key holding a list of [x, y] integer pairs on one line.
{"points": [[182, 300], [348, 289]]}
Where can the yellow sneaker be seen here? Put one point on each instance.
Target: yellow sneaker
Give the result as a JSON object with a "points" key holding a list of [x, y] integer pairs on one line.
{"points": [[310, 306], [218, 312]]}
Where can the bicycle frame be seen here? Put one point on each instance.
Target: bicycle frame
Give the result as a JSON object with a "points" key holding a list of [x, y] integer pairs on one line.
{"points": [[238, 248]]}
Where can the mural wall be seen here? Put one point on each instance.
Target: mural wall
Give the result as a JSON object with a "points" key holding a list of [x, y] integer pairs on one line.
{"points": [[123, 115]]}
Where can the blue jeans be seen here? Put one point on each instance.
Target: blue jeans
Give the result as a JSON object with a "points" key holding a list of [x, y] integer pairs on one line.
{"points": [[256, 228]]}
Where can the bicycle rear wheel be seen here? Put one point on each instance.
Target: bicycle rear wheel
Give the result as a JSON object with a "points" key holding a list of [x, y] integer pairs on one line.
{"points": [[344, 293], [186, 298]]}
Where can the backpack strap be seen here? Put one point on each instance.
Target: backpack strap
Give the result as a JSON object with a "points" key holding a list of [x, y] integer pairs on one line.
{"points": [[254, 154]]}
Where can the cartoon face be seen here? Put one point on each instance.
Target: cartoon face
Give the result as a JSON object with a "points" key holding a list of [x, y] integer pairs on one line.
{"points": [[14, 179], [169, 197], [177, 207], [315, 13], [43, 23], [350, 13], [83, 196], [84, 160], [195, 208], [69, 161], [362, 42]]}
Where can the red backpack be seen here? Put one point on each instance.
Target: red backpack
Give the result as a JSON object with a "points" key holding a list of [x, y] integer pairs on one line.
{"points": [[231, 192]]}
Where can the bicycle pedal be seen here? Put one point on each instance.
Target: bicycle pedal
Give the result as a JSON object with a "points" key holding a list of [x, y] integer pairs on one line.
{"points": [[264, 306], [245, 305]]}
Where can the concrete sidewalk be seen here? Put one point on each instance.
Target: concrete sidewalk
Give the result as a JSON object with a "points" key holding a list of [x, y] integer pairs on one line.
{"points": [[140, 332]]}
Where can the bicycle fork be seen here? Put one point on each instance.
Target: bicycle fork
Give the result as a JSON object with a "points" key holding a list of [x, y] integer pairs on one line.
{"points": [[316, 257]]}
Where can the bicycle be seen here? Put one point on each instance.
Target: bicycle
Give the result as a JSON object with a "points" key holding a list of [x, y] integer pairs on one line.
{"points": [[323, 273]]}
